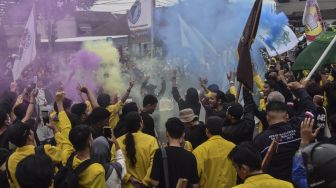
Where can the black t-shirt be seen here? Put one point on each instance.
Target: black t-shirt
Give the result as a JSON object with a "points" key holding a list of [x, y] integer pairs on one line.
{"points": [[148, 124], [181, 164], [4, 140], [195, 134], [321, 122]]}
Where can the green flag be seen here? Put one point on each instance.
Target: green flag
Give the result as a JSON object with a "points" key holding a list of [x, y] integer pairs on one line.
{"points": [[312, 53]]}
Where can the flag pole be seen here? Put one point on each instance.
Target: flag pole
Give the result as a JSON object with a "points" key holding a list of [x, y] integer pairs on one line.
{"points": [[325, 53], [238, 92]]}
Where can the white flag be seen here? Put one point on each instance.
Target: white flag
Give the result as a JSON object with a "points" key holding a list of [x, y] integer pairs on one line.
{"points": [[27, 48], [286, 41], [312, 20]]}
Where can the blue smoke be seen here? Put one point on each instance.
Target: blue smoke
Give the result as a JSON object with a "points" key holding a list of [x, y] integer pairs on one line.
{"points": [[215, 23]]}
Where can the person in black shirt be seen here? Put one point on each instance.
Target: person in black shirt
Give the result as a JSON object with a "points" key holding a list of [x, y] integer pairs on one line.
{"points": [[181, 163], [194, 129], [149, 105], [191, 99], [215, 104], [4, 123], [289, 131], [121, 128], [98, 119], [240, 121]]}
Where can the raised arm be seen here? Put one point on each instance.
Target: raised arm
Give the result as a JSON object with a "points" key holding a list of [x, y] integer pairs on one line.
{"points": [[305, 103], [175, 91], [231, 78], [128, 91], [90, 95], [249, 107], [32, 102], [163, 88], [143, 85]]}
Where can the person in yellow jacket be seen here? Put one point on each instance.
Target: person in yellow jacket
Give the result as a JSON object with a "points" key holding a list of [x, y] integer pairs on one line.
{"points": [[21, 135], [214, 167], [247, 161], [104, 100], [139, 149], [81, 139]]}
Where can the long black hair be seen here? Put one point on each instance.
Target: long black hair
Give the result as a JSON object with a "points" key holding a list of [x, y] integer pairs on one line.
{"points": [[192, 100], [133, 124]]}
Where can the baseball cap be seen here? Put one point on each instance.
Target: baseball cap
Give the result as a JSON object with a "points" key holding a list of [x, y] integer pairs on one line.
{"points": [[236, 110]]}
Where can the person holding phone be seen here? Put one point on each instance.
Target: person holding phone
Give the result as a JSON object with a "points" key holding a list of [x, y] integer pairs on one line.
{"points": [[101, 153]]}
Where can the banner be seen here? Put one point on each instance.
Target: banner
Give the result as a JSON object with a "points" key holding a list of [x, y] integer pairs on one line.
{"points": [[27, 48], [312, 20], [286, 41], [244, 69], [140, 21]]}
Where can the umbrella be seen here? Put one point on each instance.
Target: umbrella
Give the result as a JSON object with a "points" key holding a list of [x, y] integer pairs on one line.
{"points": [[311, 54]]}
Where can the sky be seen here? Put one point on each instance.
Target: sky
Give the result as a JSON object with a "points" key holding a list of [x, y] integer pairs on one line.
{"points": [[120, 6]]}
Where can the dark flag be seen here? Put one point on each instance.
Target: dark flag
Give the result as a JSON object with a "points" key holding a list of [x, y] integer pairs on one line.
{"points": [[245, 70]]}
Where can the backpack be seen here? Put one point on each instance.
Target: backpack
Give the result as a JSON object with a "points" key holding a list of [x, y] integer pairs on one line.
{"points": [[67, 177], [110, 167], [38, 150]]}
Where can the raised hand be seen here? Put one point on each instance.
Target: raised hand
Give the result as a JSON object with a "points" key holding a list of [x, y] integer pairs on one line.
{"points": [[307, 134], [33, 93], [59, 96], [131, 84]]}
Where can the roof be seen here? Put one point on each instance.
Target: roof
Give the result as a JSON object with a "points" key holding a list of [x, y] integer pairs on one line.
{"points": [[81, 39]]}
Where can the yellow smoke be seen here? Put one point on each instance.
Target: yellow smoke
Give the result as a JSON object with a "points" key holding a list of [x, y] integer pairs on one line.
{"points": [[108, 74]]}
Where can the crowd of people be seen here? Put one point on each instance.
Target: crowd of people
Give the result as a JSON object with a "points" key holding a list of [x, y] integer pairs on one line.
{"points": [[283, 136]]}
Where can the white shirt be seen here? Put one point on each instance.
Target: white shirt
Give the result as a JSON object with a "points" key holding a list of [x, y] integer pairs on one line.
{"points": [[114, 181]]}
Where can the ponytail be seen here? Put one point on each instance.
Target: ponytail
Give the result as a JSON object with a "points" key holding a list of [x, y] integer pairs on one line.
{"points": [[130, 148], [133, 121]]}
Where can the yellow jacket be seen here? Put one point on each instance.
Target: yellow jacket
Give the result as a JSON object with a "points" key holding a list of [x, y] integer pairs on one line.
{"points": [[55, 153], [264, 181], [145, 146], [258, 81], [92, 177], [114, 110], [214, 167]]}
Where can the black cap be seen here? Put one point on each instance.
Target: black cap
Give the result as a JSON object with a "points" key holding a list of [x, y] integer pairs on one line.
{"points": [[18, 133], [236, 110]]}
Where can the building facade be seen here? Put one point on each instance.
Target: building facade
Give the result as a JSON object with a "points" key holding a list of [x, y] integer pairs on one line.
{"points": [[294, 10]]}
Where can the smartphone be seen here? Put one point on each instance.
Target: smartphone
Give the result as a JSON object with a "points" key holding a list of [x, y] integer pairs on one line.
{"points": [[45, 117], [107, 132]]}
